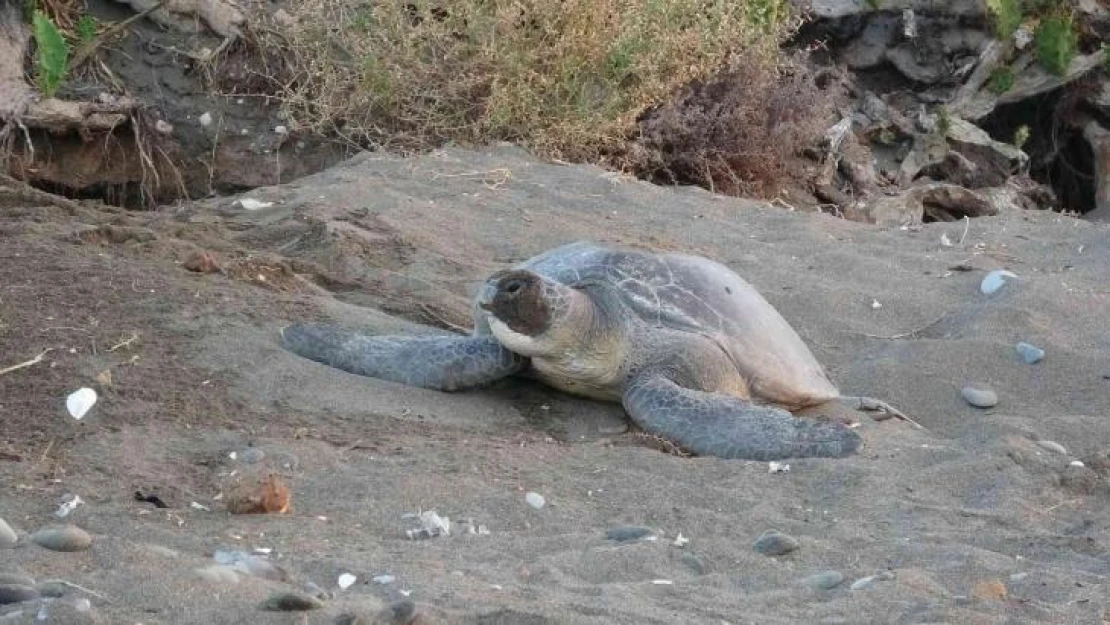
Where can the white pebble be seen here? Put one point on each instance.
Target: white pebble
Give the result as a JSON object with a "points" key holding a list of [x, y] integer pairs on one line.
{"points": [[1076, 463], [80, 402], [778, 467], [662, 582], [994, 281], [252, 204], [82, 605], [384, 579], [163, 127], [281, 130], [535, 500], [875, 305], [680, 540], [346, 580], [1053, 446], [206, 119]]}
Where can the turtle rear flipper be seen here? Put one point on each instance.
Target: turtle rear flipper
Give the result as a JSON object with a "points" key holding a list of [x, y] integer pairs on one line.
{"points": [[444, 363], [713, 424]]}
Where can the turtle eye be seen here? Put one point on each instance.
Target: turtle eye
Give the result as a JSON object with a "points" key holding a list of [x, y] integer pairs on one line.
{"points": [[513, 286]]}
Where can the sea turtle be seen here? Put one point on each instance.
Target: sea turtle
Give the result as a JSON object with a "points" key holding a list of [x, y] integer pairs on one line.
{"points": [[694, 353]]}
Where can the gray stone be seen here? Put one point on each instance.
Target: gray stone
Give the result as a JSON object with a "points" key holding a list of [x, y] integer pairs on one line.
{"points": [[823, 580], [775, 543], [290, 602], [17, 593], [64, 538], [980, 397], [250, 455], [626, 533], [994, 281], [904, 59], [1029, 353]]}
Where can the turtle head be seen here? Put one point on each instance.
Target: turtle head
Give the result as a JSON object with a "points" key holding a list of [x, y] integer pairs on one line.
{"points": [[527, 312]]}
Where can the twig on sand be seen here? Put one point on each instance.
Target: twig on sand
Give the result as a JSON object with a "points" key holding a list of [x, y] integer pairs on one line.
{"points": [[79, 587], [967, 224], [125, 343], [902, 335], [23, 365]]}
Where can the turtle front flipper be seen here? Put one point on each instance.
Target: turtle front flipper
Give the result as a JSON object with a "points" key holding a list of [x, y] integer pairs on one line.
{"points": [[713, 424], [444, 363]]}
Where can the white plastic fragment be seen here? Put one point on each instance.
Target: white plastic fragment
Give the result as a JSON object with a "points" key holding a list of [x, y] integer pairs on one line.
{"points": [[206, 119], [80, 402], [281, 130], [384, 579], [252, 204], [346, 580], [534, 499], [662, 582], [199, 506], [945, 241], [778, 467], [680, 540], [1076, 463], [68, 506], [875, 305]]}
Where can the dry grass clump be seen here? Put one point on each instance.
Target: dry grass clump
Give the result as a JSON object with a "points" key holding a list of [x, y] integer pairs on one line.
{"points": [[567, 78], [740, 133]]}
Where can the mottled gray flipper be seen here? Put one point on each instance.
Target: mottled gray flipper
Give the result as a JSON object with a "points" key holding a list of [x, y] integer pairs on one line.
{"points": [[444, 363], [711, 424]]}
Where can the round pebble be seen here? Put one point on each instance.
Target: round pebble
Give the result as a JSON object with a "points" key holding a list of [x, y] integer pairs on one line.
{"points": [[8, 537], [1053, 446], [17, 593], [979, 397], [535, 500], [1029, 353], [251, 455], [52, 589], [823, 580], [994, 281], [626, 533], [13, 577], [64, 538], [694, 563], [775, 543], [291, 602]]}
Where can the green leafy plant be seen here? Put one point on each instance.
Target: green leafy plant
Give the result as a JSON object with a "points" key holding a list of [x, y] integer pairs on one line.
{"points": [[1006, 15], [874, 4], [1056, 43], [29, 7], [1021, 135], [52, 56], [944, 121], [87, 27], [1001, 80]]}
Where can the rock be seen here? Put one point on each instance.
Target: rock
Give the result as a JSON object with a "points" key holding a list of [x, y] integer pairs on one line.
{"points": [[17, 578], [625, 533], [398, 613], [251, 455], [694, 563], [989, 590], [979, 397], [290, 602], [52, 589], [65, 538], [1030, 354], [905, 59], [17, 593], [977, 101], [535, 500], [994, 281], [823, 580], [775, 543], [940, 201], [869, 48], [201, 261], [1053, 446], [259, 496], [8, 537]]}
